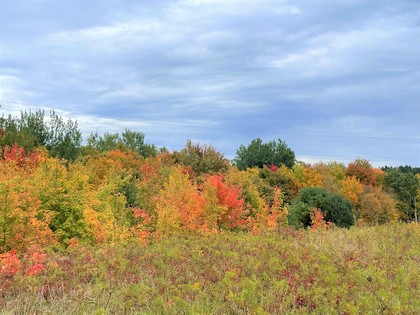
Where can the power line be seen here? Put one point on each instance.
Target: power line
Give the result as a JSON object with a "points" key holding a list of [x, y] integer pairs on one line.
{"points": [[303, 156], [188, 124], [22, 106], [372, 158]]}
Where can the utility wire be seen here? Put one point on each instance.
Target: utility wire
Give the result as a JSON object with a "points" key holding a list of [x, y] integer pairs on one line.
{"points": [[188, 124]]}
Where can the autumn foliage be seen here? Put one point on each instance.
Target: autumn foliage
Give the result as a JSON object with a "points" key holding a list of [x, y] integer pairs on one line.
{"points": [[225, 202], [116, 195], [55, 213], [318, 220]]}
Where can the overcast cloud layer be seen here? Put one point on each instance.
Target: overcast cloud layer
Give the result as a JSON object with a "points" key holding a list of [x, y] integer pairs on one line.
{"points": [[335, 79]]}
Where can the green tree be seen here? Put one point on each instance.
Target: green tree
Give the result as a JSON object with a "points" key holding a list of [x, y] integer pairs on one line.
{"points": [[31, 130], [128, 140], [339, 211], [64, 138], [336, 209], [258, 154], [107, 142], [403, 169], [63, 194], [134, 140], [404, 186]]}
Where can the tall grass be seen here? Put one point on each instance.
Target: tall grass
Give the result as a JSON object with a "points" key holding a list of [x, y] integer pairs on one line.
{"points": [[363, 270]]}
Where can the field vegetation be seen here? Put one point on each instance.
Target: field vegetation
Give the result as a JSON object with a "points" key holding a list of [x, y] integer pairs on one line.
{"points": [[364, 270], [118, 226]]}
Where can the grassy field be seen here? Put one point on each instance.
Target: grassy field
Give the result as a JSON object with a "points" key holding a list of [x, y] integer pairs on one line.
{"points": [[364, 270]]}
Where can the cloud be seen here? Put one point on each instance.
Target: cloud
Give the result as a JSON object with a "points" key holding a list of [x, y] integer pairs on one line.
{"points": [[111, 38], [12, 87], [327, 76]]}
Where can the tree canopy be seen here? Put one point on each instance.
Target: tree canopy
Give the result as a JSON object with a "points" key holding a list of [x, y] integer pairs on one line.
{"points": [[201, 158], [32, 130], [258, 154], [405, 186], [128, 140], [116, 187]]}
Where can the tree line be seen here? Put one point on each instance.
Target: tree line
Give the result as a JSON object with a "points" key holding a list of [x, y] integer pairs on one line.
{"points": [[55, 190]]}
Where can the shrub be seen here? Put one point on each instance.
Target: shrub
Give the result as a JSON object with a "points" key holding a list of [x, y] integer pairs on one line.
{"points": [[336, 209], [339, 211]]}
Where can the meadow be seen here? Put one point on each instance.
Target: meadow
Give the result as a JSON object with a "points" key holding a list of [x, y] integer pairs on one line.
{"points": [[361, 270]]}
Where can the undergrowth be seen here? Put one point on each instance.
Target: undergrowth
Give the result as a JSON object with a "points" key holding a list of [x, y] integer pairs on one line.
{"points": [[363, 270]]}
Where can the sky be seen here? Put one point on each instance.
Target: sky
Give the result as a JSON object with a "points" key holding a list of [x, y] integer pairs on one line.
{"points": [[336, 80]]}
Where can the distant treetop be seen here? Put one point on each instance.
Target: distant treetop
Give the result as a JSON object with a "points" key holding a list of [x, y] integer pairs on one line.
{"points": [[201, 158], [258, 154], [128, 140], [32, 129], [403, 169]]}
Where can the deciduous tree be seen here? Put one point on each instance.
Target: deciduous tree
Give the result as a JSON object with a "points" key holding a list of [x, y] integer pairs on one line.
{"points": [[405, 186], [258, 154], [363, 171], [223, 204], [377, 207], [201, 158], [31, 130], [179, 205], [128, 140]]}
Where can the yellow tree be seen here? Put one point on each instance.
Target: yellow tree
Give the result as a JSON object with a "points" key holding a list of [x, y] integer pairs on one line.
{"points": [[307, 175], [281, 177], [22, 223], [154, 172], [332, 174], [8, 214], [179, 205], [107, 212], [30, 230], [377, 207], [275, 214], [249, 181], [352, 189]]}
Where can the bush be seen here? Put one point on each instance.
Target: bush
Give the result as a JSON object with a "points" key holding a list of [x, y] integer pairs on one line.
{"points": [[336, 209], [339, 211], [300, 214]]}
